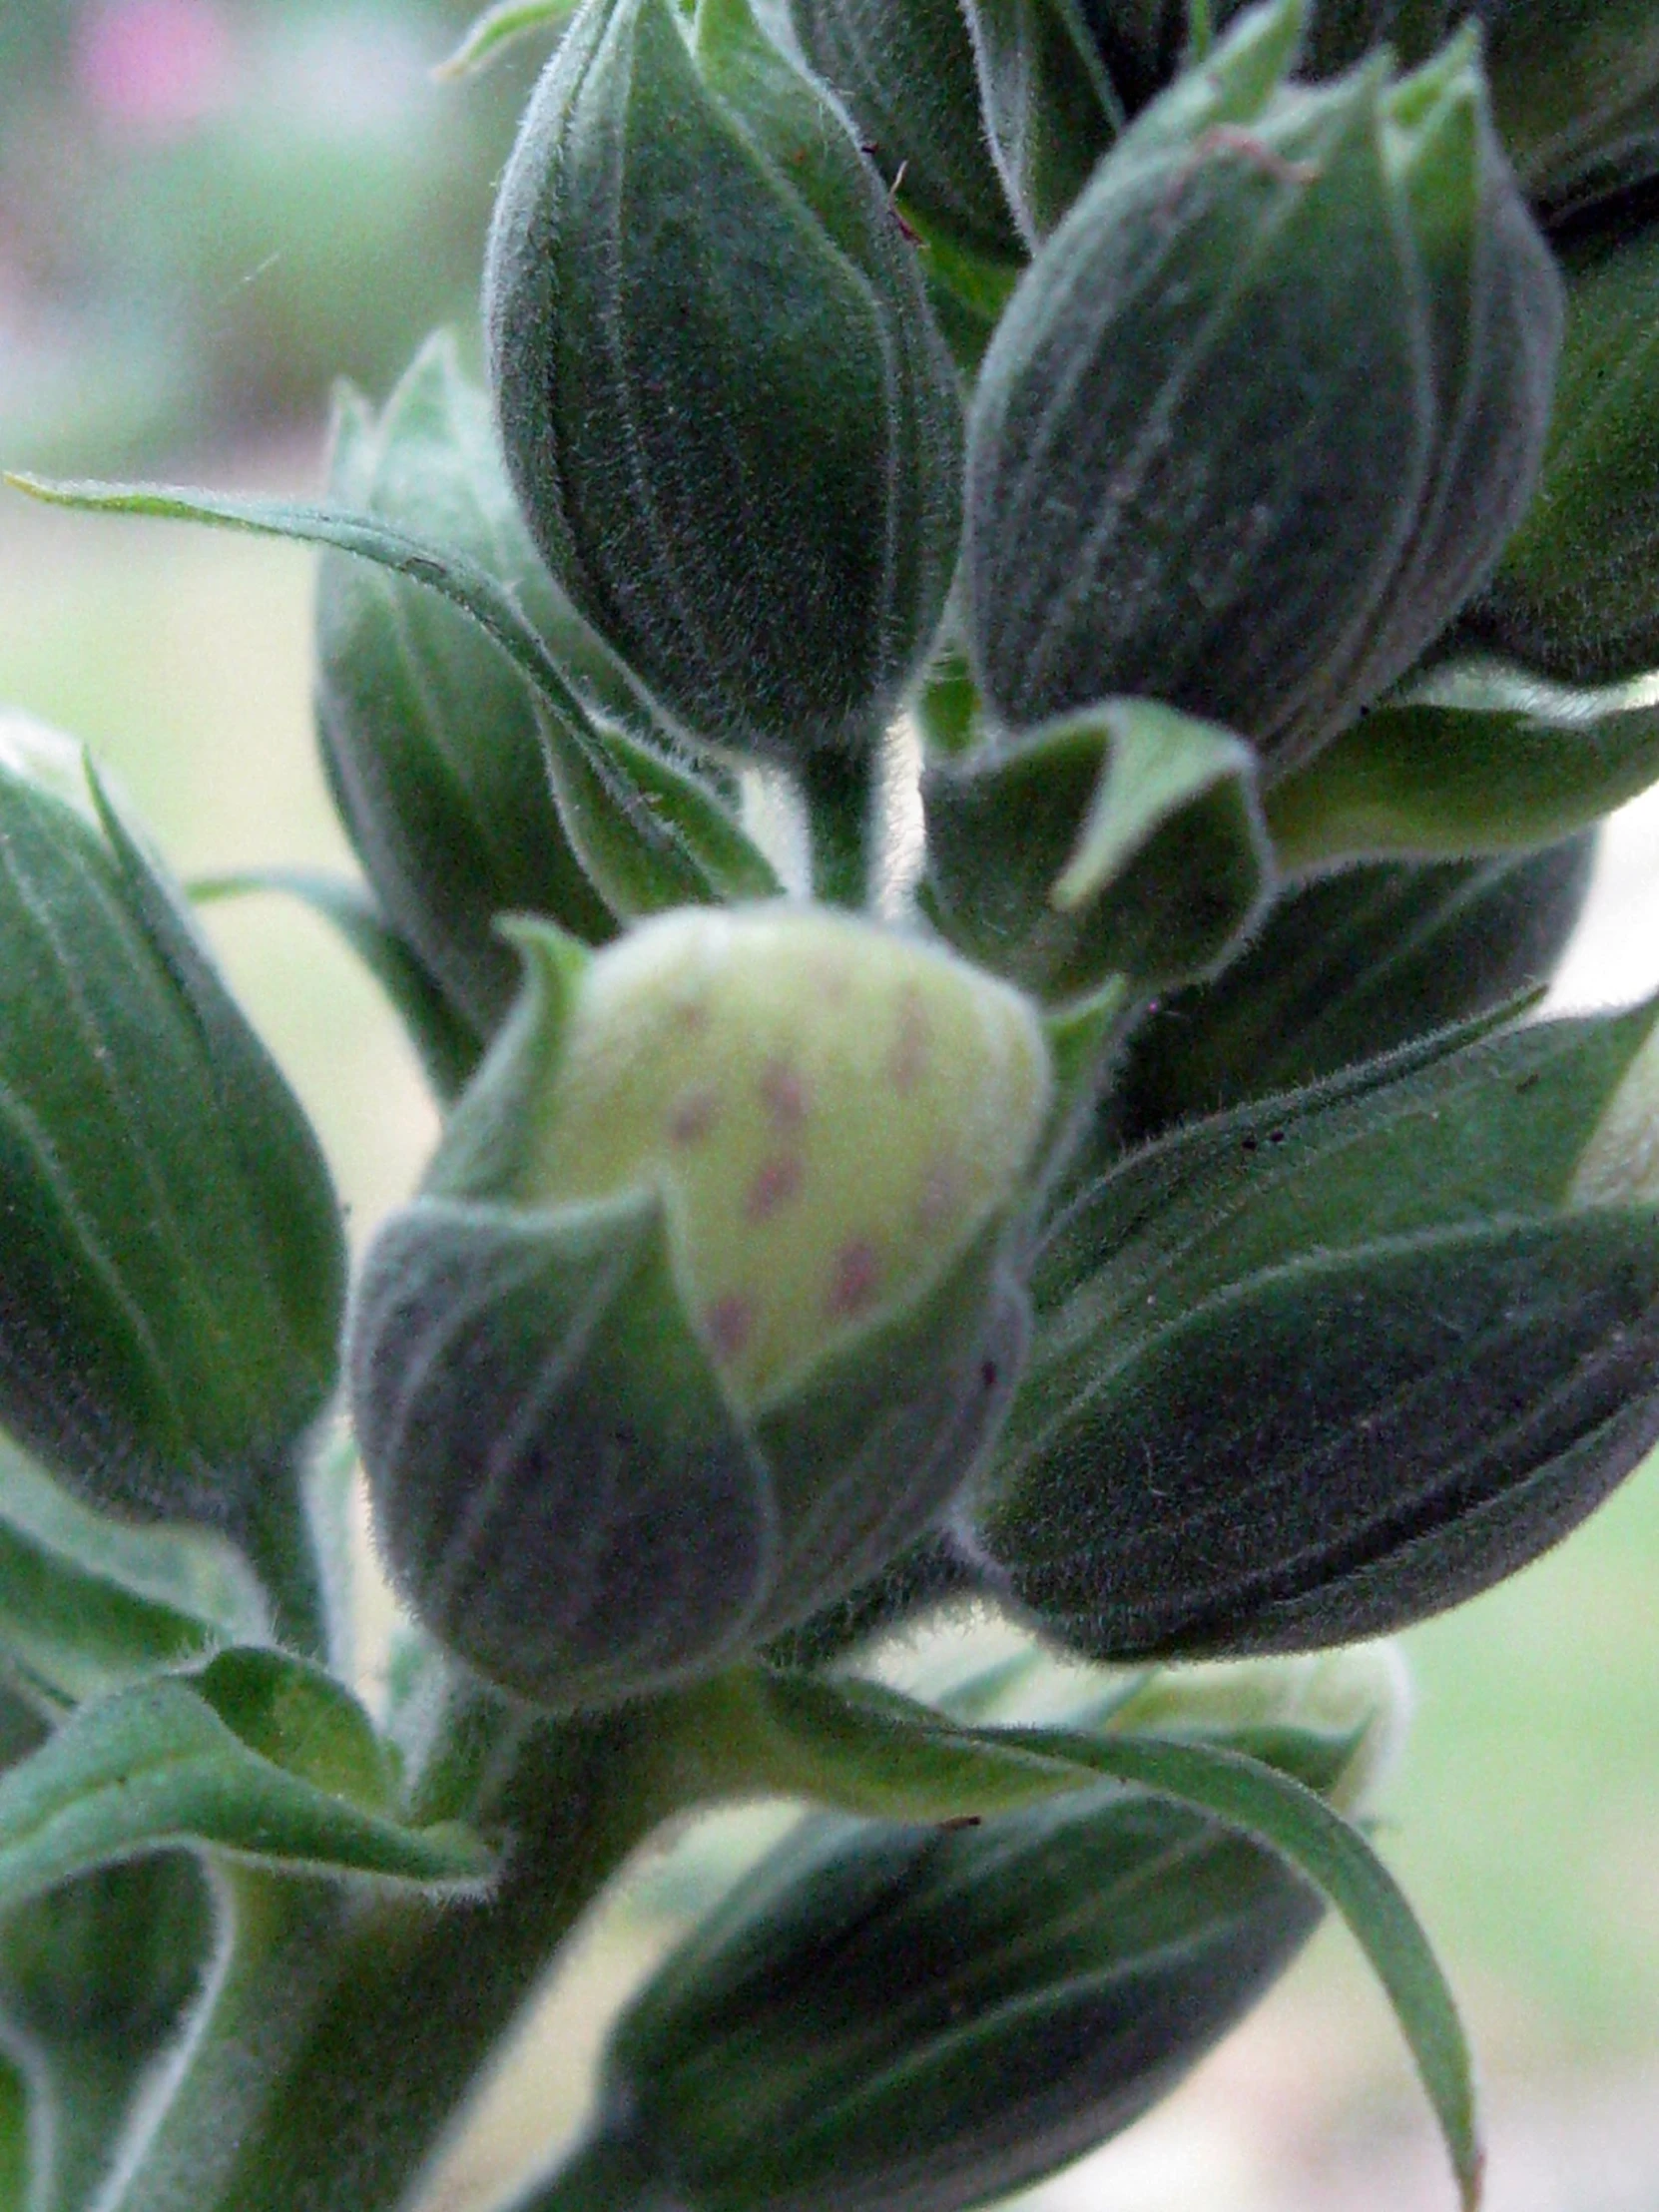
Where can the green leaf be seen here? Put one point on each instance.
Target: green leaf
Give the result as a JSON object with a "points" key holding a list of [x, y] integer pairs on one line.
{"points": [[1480, 757], [500, 26], [449, 1050], [561, 1489], [1334, 1857], [658, 835], [74, 1634], [95, 1979], [88, 1601], [458, 579], [1124, 839], [163, 1763], [869, 1750], [15, 2191]]}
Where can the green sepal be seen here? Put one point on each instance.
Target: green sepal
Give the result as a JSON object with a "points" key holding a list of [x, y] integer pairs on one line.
{"points": [[1334, 1362], [430, 734], [448, 1048], [773, 566], [1125, 840], [1574, 596], [1143, 40], [175, 1257], [872, 1752], [1577, 86], [1457, 1131], [1362, 245], [89, 1602], [162, 1764], [868, 1455], [561, 1490], [1049, 108], [1345, 969], [1478, 757]]}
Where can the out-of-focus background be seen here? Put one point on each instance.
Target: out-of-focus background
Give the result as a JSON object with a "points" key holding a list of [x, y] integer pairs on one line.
{"points": [[208, 210]]}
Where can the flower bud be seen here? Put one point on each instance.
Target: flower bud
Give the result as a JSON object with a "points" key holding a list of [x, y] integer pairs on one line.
{"points": [[173, 1259], [428, 732], [726, 413], [906, 74], [1348, 967], [890, 2017], [1265, 408], [1576, 596], [704, 1318], [1316, 1369]]}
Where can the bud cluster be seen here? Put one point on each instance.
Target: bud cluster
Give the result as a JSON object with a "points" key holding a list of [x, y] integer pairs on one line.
{"points": [[1198, 461]]}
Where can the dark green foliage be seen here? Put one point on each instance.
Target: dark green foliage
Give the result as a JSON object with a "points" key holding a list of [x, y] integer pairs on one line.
{"points": [[1575, 595]]}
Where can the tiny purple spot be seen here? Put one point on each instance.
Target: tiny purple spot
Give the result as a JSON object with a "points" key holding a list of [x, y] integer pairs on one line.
{"points": [[856, 1278], [693, 1114], [777, 1182], [730, 1322], [785, 1095]]}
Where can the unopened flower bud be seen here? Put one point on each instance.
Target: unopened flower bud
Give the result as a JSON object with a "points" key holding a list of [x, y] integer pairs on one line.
{"points": [[725, 409], [890, 2017], [1265, 408], [705, 1315], [174, 1263], [428, 733]]}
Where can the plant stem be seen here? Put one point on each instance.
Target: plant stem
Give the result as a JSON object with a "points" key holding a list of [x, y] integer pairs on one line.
{"points": [[343, 2043], [1201, 35], [840, 793], [274, 1532]]}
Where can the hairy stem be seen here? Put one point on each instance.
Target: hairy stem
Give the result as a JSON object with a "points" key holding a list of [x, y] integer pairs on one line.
{"points": [[841, 790], [351, 2026]]}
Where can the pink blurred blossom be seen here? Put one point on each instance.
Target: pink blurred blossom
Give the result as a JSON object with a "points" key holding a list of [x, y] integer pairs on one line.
{"points": [[153, 67]]}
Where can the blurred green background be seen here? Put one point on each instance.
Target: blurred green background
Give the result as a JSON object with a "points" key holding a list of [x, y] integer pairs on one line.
{"points": [[210, 207]]}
